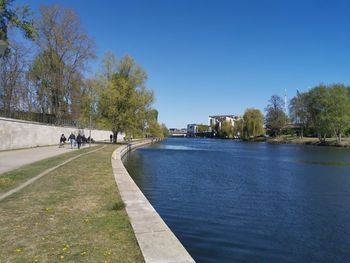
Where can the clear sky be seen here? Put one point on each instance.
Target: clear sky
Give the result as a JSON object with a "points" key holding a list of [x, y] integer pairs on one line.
{"points": [[221, 57]]}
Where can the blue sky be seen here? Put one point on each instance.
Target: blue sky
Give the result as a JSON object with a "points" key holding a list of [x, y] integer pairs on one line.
{"points": [[221, 57]]}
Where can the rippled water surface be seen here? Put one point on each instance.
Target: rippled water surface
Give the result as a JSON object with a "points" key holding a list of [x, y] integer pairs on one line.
{"points": [[229, 201]]}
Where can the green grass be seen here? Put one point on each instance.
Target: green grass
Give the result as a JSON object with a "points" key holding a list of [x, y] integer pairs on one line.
{"points": [[14, 178], [309, 140], [73, 214]]}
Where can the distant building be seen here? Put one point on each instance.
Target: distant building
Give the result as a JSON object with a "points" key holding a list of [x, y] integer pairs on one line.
{"points": [[218, 120], [192, 130], [174, 132]]}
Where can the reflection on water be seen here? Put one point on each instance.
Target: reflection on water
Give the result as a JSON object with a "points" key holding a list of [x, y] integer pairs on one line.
{"points": [[327, 163], [176, 147], [249, 202]]}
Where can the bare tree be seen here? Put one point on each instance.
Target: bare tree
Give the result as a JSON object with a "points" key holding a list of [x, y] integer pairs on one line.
{"points": [[13, 89], [64, 49], [275, 117]]}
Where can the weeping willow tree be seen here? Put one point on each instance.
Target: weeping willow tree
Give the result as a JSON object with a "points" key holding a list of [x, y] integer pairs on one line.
{"points": [[253, 122]]}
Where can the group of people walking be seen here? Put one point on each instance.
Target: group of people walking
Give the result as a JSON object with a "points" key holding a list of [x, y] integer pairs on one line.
{"points": [[75, 141]]}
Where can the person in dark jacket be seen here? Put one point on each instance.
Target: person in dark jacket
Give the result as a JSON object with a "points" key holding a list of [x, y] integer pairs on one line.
{"points": [[79, 140], [71, 138], [62, 140], [84, 140]]}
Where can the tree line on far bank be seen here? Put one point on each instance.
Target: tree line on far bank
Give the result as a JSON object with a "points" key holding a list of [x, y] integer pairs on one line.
{"points": [[47, 75], [323, 112]]}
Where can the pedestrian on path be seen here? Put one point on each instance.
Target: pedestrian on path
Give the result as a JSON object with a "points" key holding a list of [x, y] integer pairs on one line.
{"points": [[71, 138], [79, 140], [84, 140], [62, 140]]}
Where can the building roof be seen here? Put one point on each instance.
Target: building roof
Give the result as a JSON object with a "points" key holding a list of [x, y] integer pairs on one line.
{"points": [[221, 116]]}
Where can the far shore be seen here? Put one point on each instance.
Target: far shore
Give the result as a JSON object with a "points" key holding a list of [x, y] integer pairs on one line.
{"points": [[287, 139]]}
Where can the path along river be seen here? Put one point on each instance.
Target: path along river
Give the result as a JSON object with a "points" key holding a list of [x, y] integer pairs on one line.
{"points": [[231, 201]]}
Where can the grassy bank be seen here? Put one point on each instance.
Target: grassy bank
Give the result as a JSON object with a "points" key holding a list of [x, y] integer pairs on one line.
{"points": [[14, 178], [73, 214], [309, 141]]}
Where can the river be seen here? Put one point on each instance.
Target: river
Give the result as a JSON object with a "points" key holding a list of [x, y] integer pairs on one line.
{"points": [[229, 201]]}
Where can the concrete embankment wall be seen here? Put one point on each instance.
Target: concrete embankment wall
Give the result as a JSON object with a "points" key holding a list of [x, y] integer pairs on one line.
{"points": [[16, 134], [157, 242]]}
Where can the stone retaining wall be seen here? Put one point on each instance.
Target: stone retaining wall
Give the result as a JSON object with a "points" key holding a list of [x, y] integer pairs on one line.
{"points": [[157, 242], [16, 134]]}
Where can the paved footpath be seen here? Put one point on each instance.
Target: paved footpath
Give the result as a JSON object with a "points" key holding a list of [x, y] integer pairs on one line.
{"points": [[33, 179], [10, 160]]}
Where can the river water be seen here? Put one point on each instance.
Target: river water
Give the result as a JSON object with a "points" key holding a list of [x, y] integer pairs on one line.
{"points": [[230, 201]]}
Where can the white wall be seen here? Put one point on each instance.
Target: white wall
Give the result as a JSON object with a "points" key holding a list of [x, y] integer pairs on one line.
{"points": [[15, 134]]}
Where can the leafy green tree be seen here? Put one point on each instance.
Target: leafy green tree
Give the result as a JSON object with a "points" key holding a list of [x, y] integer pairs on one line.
{"points": [[275, 118], [155, 130], [202, 128], [317, 106], [325, 109], [126, 102], [165, 130], [226, 130], [253, 123], [238, 128], [337, 113]]}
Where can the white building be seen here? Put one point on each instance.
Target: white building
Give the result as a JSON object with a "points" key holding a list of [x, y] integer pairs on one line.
{"points": [[218, 120], [192, 129]]}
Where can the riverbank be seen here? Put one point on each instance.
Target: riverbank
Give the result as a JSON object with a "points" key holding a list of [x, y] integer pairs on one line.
{"points": [[156, 240], [73, 214], [287, 139]]}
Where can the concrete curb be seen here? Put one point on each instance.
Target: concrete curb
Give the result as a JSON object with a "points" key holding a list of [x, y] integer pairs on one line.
{"points": [[157, 242]]}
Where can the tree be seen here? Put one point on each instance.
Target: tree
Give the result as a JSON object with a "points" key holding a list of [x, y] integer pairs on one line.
{"points": [[87, 103], [126, 102], [338, 110], [325, 109], [253, 121], [238, 128], [275, 118], [14, 94], [316, 105], [202, 128], [298, 111], [226, 130], [19, 17], [335, 115], [109, 65], [155, 130], [165, 130], [57, 70]]}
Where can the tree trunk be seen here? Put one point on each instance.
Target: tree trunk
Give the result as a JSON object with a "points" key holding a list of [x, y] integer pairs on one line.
{"points": [[115, 136], [339, 138]]}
